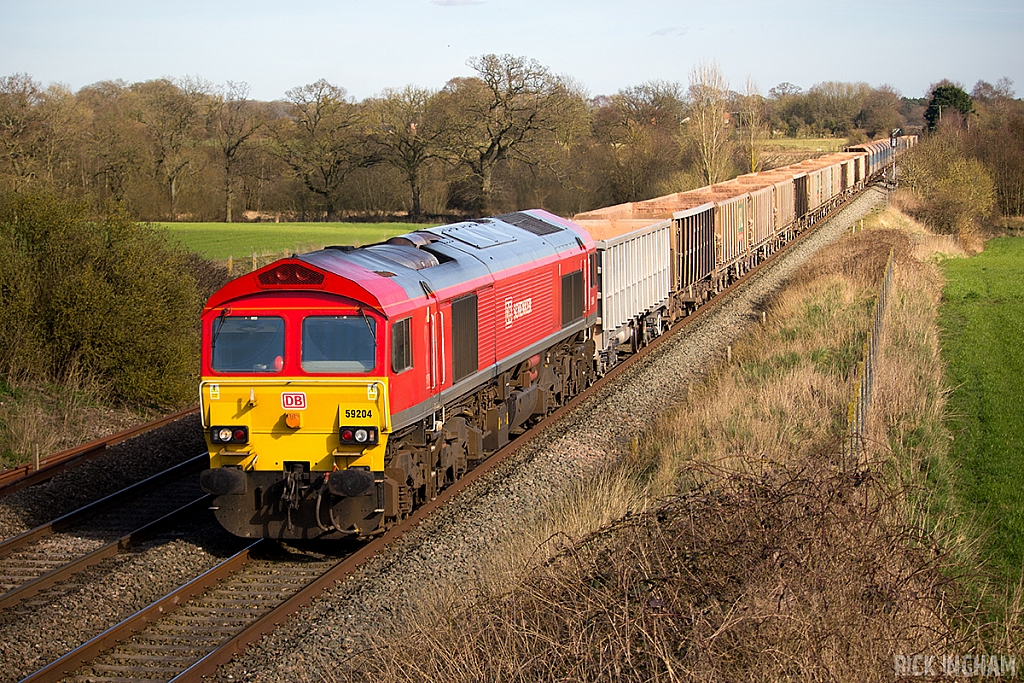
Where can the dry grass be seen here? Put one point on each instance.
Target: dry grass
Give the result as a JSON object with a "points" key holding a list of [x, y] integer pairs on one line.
{"points": [[43, 419], [733, 544], [927, 246], [790, 577], [783, 398]]}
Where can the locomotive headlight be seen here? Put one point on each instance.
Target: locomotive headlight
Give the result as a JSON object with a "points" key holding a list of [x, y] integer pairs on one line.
{"points": [[237, 434], [363, 436]]}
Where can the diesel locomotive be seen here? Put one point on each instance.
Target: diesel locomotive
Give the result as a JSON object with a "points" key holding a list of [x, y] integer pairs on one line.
{"points": [[344, 386]]}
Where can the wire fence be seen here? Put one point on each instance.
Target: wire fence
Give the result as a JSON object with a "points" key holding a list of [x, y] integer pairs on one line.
{"points": [[857, 416], [245, 264]]}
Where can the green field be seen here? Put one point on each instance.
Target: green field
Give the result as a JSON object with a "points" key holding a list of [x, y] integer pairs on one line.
{"points": [[982, 321], [808, 144], [218, 241]]}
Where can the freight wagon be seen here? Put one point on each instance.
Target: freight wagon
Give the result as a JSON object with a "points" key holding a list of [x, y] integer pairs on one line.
{"points": [[719, 232]]}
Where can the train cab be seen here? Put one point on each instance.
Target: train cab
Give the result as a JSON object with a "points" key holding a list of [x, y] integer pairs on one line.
{"points": [[294, 401]]}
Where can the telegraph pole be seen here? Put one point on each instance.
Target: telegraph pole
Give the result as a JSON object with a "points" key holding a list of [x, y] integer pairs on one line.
{"points": [[893, 143]]}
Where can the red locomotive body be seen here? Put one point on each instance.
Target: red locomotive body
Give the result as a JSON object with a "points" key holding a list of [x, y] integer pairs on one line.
{"points": [[340, 387]]}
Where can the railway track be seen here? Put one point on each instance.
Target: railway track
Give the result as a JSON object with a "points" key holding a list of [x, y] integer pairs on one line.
{"points": [[170, 639], [193, 630], [43, 557], [218, 614]]}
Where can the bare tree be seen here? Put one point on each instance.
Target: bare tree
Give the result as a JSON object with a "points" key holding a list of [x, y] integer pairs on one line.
{"points": [[114, 147], [20, 128], [998, 141], [408, 132], [784, 89], [834, 105], [170, 112], [32, 130], [654, 103], [787, 108], [232, 119], [753, 125], [57, 152], [880, 112], [513, 104], [322, 141], [637, 133], [41, 131], [707, 131]]}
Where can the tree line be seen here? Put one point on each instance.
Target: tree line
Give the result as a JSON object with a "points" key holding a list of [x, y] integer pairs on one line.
{"points": [[970, 163], [514, 134]]}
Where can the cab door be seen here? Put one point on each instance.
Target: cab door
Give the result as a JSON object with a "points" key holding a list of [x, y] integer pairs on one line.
{"points": [[436, 352]]}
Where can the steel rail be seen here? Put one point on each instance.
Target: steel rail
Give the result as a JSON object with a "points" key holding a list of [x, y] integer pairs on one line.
{"points": [[207, 664], [55, 576], [23, 476], [86, 652], [9, 545]]}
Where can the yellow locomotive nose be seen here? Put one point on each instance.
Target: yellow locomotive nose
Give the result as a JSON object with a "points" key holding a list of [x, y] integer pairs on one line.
{"points": [[322, 425], [297, 455]]}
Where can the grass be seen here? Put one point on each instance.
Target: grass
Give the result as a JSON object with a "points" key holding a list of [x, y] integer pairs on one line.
{"points": [[219, 241], [46, 418], [982, 320], [807, 144], [757, 554]]}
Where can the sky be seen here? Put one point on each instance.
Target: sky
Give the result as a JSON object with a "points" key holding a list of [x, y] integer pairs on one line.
{"points": [[366, 46]]}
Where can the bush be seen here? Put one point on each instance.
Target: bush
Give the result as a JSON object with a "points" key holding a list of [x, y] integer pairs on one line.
{"points": [[999, 142], [952, 191], [209, 275], [105, 295]]}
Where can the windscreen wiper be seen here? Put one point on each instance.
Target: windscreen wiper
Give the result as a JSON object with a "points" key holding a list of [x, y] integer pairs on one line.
{"points": [[216, 333], [366, 319]]}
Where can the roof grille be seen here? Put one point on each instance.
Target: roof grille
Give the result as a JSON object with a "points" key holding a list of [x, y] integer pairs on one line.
{"points": [[529, 223], [290, 275]]}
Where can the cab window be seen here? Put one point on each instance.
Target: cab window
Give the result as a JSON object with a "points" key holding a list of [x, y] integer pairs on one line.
{"points": [[346, 343], [401, 346], [247, 344]]}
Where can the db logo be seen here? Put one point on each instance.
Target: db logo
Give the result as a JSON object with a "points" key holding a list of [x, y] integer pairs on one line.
{"points": [[514, 310], [293, 400]]}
